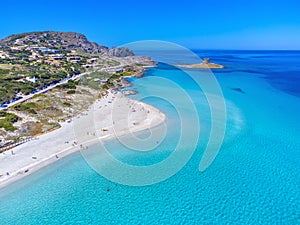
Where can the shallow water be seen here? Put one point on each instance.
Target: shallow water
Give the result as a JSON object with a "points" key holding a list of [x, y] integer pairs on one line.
{"points": [[253, 180]]}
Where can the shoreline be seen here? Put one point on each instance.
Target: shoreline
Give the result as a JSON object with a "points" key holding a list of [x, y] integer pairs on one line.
{"points": [[63, 142]]}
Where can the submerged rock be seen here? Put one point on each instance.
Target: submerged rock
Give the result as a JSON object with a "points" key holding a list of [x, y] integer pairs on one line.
{"points": [[238, 90]]}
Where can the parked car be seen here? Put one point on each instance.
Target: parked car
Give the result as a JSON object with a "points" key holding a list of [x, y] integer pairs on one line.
{"points": [[3, 105]]}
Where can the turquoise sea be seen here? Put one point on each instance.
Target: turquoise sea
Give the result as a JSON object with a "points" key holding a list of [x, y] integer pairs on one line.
{"points": [[255, 178]]}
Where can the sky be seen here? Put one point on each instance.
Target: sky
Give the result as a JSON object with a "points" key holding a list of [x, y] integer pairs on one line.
{"points": [[210, 24]]}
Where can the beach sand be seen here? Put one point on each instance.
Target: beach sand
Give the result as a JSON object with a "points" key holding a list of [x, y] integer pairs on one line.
{"points": [[111, 116]]}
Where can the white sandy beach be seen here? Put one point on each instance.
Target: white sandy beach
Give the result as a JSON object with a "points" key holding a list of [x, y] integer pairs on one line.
{"points": [[111, 116]]}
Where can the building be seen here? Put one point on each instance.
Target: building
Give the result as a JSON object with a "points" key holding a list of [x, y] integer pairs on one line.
{"points": [[92, 60], [4, 55], [57, 57], [31, 79], [73, 59]]}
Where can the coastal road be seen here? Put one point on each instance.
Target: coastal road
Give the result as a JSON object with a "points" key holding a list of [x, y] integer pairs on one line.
{"points": [[29, 96]]}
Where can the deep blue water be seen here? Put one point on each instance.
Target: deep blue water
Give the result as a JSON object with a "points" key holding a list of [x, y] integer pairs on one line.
{"points": [[253, 180], [280, 68]]}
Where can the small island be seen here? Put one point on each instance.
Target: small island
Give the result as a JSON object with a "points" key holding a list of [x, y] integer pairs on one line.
{"points": [[205, 64]]}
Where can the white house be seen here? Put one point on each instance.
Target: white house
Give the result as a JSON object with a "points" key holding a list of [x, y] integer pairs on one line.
{"points": [[31, 79]]}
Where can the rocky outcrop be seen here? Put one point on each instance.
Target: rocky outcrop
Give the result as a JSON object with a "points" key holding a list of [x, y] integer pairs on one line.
{"points": [[120, 52], [129, 92], [125, 83]]}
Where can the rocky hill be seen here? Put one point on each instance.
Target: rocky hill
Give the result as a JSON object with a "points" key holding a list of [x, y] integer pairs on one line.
{"points": [[120, 52], [66, 41]]}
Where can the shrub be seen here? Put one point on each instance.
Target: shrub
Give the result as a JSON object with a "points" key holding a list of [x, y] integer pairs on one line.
{"points": [[67, 104], [8, 126], [71, 92]]}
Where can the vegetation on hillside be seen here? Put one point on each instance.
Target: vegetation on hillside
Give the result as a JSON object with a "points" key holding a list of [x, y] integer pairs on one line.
{"points": [[7, 120]]}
